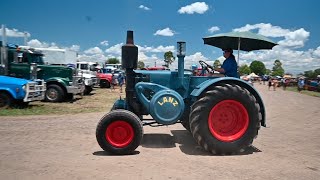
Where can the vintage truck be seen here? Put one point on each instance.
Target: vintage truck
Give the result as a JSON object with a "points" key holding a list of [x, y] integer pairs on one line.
{"points": [[16, 92], [62, 82], [88, 72]]}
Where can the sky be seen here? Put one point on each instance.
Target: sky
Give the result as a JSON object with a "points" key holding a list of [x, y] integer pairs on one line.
{"points": [[97, 29]]}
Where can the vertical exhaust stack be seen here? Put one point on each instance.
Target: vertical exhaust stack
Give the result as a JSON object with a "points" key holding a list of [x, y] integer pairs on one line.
{"points": [[129, 61]]}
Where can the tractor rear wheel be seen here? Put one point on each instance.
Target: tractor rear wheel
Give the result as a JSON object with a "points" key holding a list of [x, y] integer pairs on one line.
{"points": [[185, 119], [119, 132], [226, 119]]}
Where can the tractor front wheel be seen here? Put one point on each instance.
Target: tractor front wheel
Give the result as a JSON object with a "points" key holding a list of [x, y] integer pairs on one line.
{"points": [[119, 132], [226, 119]]}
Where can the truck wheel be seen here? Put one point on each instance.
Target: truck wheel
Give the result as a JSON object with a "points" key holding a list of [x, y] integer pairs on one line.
{"points": [[5, 100], [104, 84], [226, 119], [87, 90], [119, 132], [185, 119], [54, 93]]}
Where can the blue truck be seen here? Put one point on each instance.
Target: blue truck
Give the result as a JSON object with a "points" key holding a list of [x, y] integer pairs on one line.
{"points": [[16, 92]]}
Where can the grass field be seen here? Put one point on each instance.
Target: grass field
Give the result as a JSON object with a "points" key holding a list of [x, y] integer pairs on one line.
{"points": [[99, 100], [310, 93]]}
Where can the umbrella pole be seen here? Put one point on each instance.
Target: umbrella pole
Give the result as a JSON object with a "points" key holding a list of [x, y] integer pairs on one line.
{"points": [[239, 49]]}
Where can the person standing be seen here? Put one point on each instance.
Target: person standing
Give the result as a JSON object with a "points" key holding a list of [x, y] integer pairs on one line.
{"points": [[229, 67], [269, 83], [300, 84], [121, 79]]}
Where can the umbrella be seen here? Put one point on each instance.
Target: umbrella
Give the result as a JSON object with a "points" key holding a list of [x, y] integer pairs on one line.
{"points": [[246, 41]]}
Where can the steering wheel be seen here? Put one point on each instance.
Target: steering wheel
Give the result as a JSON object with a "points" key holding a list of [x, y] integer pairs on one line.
{"points": [[206, 66]]}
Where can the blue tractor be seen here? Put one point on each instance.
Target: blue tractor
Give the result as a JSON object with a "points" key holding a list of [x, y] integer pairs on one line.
{"points": [[224, 114]]}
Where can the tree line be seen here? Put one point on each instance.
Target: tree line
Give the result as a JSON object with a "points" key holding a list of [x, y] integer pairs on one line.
{"points": [[255, 66]]}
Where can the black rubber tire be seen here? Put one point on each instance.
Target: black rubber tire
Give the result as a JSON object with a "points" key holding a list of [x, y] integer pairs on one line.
{"points": [[69, 97], [5, 100], [185, 119], [20, 104], [87, 90], [104, 84], [200, 111], [54, 93], [114, 116]]}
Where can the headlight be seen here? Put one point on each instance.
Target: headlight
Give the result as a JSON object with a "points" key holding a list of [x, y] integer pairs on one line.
{"points": [[23, 87]]}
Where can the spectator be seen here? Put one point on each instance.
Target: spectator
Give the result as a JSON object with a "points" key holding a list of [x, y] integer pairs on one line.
{"points": [[121, 79], [113, 82], [300, 84], [269, 83]]}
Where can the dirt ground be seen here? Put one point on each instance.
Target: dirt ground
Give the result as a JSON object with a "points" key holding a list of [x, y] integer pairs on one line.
{"points": [[65, 147]]}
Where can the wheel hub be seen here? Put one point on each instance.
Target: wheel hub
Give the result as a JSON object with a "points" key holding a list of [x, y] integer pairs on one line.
{"points": [[119, 134], [228, 120]]}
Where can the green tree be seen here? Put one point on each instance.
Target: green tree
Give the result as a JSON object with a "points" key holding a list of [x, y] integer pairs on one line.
{"points": [[268, 71], [258, 67], [277, 69], [217, 64], [140, 64], [112, 61], [168, 58], [317, 72], [310, 74], [244, 69]]}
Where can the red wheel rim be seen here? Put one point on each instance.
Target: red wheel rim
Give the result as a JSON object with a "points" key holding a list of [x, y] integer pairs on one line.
{"points": [[228, 120], [119, 134]]}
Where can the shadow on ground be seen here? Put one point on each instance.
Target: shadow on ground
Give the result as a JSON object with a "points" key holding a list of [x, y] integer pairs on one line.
{"points": [[185, 141], [104, 153]]}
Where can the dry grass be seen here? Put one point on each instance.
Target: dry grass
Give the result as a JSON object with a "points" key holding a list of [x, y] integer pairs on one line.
{"points": [[99, 100]]}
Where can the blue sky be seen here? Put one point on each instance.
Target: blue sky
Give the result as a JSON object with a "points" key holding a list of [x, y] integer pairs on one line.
{"points": [[97, 29]]}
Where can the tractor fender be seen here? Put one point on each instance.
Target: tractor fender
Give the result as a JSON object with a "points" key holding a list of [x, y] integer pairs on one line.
{"points": [[212, 82]]}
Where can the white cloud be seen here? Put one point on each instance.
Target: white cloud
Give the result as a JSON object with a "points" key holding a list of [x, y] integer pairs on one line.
{"points": [[214, 29], [74, 48], [14, 33], [191, 60], [94, 50], [316, 52], [265, 29], [164, 32], [158, 49], [101, 58], [292, 61], [104, 43], [35, 43], [144, 8], [150, 61], [38, 44], [116, 49], [197, 7], [294, 39]]}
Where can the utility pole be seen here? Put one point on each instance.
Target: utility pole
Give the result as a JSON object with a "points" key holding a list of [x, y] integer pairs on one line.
{"points": [[25, 38]]}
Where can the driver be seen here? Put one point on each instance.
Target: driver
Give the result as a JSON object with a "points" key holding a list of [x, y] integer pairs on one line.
{"points": [[229, 67]]}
